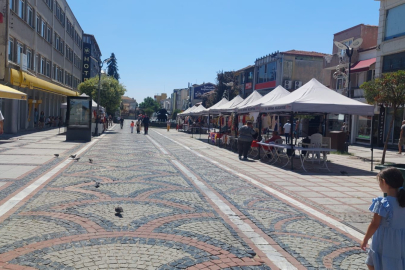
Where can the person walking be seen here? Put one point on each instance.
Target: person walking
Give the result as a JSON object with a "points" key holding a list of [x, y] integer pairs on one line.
{"points": [[245, 139], [388, 224], [168, 124], [36, 117], [41, 119], [287, 131], [121, 122], [401, 141], [146, 124], [132, 126], [138, 126]]}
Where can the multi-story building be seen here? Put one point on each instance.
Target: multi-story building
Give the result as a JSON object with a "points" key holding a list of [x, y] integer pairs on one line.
{"points": [[159, 97], [362, 70], [91, 57], [390, 57], [291, 69], [166, 104], [42, 41], [180, 99], [245, 80], [129, 107]]}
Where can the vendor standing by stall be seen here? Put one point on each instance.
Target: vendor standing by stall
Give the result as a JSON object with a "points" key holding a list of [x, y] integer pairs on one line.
{"points": [[245, 139]]}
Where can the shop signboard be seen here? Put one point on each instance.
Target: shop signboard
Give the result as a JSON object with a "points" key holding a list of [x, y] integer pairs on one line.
{"points": [[200, 90], [248, 86], [86, 61], [381, 122]]}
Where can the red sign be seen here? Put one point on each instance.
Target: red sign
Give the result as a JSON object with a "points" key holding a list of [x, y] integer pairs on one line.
{"points": [[265, 85], [248, 85]]}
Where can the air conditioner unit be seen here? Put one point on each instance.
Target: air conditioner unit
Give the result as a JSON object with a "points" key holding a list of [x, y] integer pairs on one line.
{"points": [[297, 84], [287, 84]]}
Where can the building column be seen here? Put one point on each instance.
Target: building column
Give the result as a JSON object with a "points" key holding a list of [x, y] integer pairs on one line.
{"points": [[11, 114]]}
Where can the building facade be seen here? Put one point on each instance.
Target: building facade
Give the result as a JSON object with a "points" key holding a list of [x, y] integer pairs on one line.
{"points": [[91, 57], [362, 70], [180, 99], [390, 57], [291, 69], [43, 42], [245, 80]]}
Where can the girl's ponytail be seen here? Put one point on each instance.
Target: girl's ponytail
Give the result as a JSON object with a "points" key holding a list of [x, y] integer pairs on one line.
{"points": [[393, 177], [401, 197]]}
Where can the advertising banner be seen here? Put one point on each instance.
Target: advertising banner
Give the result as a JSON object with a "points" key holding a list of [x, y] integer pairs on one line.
{"points": [[86, 61], [202, 89]]}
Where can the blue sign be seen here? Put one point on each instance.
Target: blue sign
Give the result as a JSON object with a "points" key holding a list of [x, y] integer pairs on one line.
{"points": [[200, 90]]}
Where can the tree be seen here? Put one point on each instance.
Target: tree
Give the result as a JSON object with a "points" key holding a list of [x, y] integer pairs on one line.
{"points": [[175, 112], [388, 90], [149, 106], [110, 93], [226, 81], [162, 115], [112, 67]]}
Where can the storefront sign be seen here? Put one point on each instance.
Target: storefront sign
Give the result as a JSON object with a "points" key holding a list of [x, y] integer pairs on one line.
{"points": [[265, 85], [202, 89], [86, 61], [248, 86], [381, 122]]}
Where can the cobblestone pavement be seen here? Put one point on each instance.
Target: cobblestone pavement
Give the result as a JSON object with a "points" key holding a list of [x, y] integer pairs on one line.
{"points": [[170, 220]]}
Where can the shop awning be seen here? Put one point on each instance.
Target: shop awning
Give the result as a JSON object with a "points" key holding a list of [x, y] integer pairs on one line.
{"points": [[362, 65], [22, 79], [10, 93]]}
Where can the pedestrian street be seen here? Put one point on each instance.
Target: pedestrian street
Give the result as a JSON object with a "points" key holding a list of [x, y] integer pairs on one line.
{"points": [[180, 210]]}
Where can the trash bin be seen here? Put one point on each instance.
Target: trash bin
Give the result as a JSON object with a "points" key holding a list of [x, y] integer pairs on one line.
{"points": [[338, 140]]}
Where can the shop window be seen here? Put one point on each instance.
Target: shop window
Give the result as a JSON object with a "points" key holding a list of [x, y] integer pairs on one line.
{"points": [[48, 68], [38, 24], [394, 62], [364, 128], [395, 22], [12, 5]]}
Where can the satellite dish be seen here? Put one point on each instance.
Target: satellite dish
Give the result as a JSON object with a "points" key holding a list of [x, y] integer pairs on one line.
{"points": [[357, 43], [341, 45]]}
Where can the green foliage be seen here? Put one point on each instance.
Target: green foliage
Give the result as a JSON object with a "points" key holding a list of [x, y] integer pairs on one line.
{"points": [[222, 78], [175, 112], [110, 93], [112, 69], [149, 106], [389, 90]]}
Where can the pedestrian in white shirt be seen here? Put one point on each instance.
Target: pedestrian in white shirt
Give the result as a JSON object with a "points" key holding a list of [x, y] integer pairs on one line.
{"points": [[287, 131], [1, 123]]}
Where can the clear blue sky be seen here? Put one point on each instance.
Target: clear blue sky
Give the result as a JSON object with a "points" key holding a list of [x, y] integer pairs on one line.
{"points": [[163, 45]]}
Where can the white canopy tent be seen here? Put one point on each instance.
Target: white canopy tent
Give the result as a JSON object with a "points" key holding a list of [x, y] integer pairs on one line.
{"points": [[197, 110], [314, 97], [186, 111], [226, 106], [275, 94], [250, 99], [216, 105]]}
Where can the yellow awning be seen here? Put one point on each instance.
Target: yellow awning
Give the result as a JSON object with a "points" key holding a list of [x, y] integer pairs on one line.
{"points": [[10, 93], [22, 79]]}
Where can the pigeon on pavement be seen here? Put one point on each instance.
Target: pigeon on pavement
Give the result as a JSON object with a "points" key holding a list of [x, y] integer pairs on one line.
{"points": [[56, 155], [90, 160], [77, 159], [97, 185], [73, 156], [343, 173]]}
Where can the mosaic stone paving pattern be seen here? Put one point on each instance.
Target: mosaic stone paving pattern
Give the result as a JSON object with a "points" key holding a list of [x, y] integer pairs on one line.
{"points": [[311, 242], [167, 222]]}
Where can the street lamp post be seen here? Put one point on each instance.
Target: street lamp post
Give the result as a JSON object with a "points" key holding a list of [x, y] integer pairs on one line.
{"points": [[349, 52], [98, 93]]}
